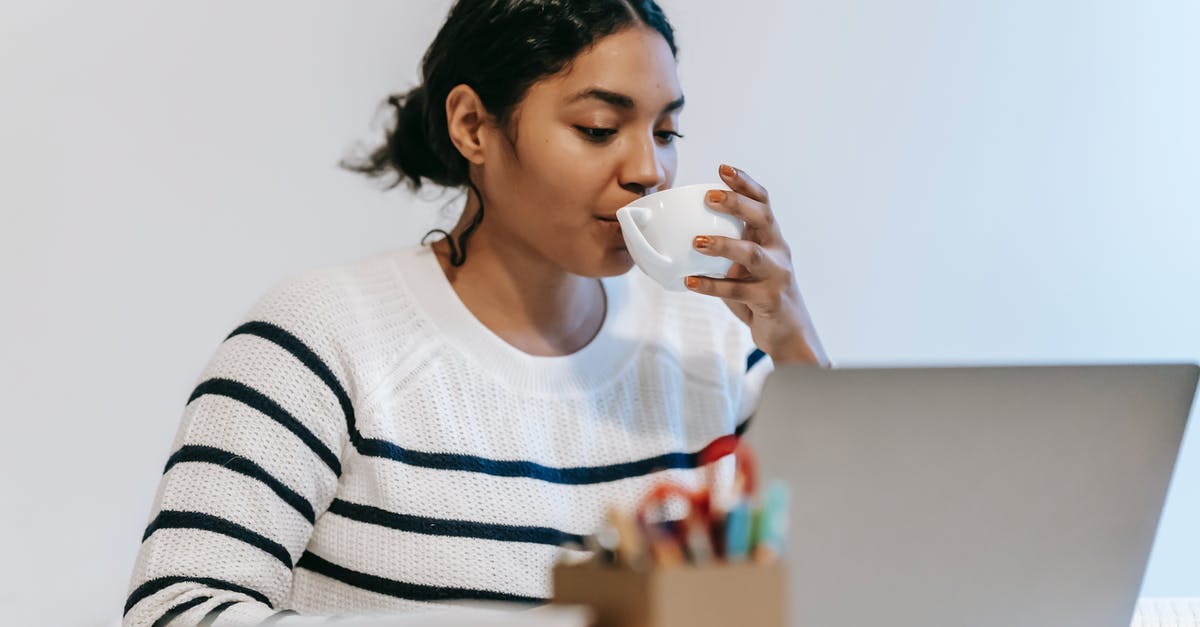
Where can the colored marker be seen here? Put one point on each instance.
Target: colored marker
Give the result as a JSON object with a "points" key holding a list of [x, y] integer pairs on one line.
{"points": [[737, 532]]}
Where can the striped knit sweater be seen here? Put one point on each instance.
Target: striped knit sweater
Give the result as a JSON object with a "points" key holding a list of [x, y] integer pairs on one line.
{"points": [[361, 443]]}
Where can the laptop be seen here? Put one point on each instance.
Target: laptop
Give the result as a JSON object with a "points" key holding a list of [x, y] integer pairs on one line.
{"points": [[983, 496]]}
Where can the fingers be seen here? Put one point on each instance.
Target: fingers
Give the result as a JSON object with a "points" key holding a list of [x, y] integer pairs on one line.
{"points": [[757, 295], [750, 255], [755, 214], [761, 251], [749, 201], [740, 182]]}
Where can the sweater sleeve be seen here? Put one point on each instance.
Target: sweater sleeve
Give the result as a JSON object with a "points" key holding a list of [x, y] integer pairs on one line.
{"points": [[256, 459], [756, 367]]}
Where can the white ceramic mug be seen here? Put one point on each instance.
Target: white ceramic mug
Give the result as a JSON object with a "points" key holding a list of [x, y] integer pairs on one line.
{"points": [[658, 230]]}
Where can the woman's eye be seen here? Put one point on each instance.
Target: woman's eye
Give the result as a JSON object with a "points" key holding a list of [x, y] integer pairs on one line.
{"points": [[668, 137], [596, 134], [601, 134]]}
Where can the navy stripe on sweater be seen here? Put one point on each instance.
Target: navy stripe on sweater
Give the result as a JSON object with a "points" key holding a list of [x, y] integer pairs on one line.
{"points": [[455, 528], [404, 590], [169, 519], [570, 475], [160, 583], [753, 358], [308, 357], [237, 463], [176, 610], [241, 392]]}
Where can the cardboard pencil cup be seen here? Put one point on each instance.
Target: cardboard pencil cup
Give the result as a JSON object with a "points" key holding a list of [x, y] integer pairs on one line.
{"points": [[716, 567], [717, 594]]}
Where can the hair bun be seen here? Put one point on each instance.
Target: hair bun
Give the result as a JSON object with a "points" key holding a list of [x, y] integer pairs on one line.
{"points": [[409, 148]]}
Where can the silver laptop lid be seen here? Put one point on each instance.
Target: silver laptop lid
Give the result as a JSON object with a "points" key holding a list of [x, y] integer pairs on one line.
{"points": [[984, 496]]}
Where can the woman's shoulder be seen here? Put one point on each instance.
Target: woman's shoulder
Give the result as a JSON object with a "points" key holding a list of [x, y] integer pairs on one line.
{"points": [[353, 288], [347, 308]]}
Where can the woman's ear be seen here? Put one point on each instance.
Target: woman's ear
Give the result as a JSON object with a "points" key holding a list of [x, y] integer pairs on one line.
{"points": [[465, 120]]}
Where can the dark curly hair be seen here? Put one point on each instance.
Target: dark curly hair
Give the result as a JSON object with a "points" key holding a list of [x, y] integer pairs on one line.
{"points": [[499, 48]]}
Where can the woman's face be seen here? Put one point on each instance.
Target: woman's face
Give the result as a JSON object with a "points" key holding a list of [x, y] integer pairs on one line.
{"points": [[588, 141]]}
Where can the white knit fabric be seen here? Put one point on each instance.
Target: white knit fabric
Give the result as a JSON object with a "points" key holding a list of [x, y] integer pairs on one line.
{"points": [[364, 444]]}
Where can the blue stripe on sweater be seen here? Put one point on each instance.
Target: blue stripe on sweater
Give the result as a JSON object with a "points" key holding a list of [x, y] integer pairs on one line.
{"points": [[294, 345], [571, 475], [402, 589], [176, 610], [237, 463], [455, 528], [161, 583], [169, 519], [245, 394], [753, 358]]}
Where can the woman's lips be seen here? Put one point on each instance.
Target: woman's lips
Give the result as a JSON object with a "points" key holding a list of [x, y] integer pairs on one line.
{"points": [[610, 225]]}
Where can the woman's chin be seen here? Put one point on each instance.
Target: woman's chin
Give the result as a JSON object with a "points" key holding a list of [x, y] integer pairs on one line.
{"points": [[616, 262], [608, 262]]}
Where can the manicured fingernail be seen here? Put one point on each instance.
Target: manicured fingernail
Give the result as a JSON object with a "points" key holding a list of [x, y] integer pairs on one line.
{"points": [[728, 171], [691, 282], [715, 196], [702, 241]]}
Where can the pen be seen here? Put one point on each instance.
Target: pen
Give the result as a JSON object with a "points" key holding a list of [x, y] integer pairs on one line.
{"points": [[772, 522], [698, 537], [737, 532], [602, 554], [630, 541], [664, 546]]}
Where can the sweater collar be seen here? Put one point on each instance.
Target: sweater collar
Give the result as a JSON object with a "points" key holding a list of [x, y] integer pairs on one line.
{"points": [[597, 363]]}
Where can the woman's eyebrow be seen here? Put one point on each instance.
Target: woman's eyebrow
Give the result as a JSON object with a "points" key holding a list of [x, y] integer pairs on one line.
{"points": [[619, 100]]}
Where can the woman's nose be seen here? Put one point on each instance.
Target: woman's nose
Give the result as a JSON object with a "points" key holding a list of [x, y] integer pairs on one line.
{"points": [[644, 167]]}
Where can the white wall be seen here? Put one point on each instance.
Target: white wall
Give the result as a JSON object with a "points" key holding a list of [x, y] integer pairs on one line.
{"points": [[960, 182]]}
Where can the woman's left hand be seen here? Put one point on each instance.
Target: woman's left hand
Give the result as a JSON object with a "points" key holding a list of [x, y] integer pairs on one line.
{"points": [[760, 288]]}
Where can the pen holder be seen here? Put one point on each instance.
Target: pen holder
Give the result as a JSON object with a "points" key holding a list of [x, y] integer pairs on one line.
{"points": [[717, 566], [717, 594]]}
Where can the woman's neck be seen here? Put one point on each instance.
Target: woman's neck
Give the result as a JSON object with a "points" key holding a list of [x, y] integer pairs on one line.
{"points": [[519, 295]]}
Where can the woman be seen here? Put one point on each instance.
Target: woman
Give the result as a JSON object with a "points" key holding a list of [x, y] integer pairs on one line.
{"points": [[434, 423]]}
